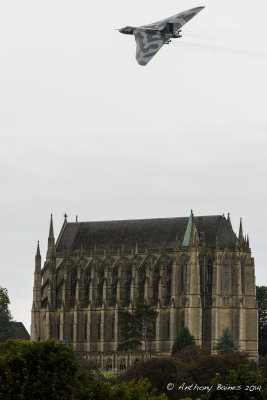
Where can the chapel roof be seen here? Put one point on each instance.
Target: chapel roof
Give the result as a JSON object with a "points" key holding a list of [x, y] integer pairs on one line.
{"points": [[18, 331], [144, 233]]}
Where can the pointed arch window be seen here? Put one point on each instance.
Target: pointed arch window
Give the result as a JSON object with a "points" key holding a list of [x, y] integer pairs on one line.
{"points": [[59, 295], [87, 292], [112, 328], [156, 278], [58, 328], [109, 365], [99, 327], [201, 271], [71, 329], [73, 282], [169, 279], [87, 280], [184, 263], [122, 364], [243, 277], [168, 327], [128, 281], [209, 275], [85, 329], [182, 320], [87, 275], [100, 283], [226, 275], [114, 282], [141, 283]]}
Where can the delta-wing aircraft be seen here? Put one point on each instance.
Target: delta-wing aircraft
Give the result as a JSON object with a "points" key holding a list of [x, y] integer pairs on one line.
{"points": [[150, 38]]}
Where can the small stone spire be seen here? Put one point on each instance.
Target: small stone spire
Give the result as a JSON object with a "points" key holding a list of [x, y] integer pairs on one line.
{"points": [[229, 220], [38, 259], [191, 235], [51, 229], [240, 236], [38, 249], [37, 277], [51, 240], [36, 304]]}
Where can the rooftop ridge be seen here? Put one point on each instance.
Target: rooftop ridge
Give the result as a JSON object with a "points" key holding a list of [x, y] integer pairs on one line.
{"points": [[147, 232], [141, 219]]}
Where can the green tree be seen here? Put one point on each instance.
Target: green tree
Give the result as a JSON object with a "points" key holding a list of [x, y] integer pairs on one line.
{"points": [[140, 390], [261, 295], [5, 315], [159, 371], [226, 343], [137, 327], [184, 339], [4, 299], [38, 370], [242, 384]]}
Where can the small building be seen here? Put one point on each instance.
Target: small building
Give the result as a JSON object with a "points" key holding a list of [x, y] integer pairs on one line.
{"points": [[17, 330]]}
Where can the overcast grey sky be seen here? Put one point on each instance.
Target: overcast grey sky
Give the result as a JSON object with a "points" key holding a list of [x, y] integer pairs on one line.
{"points": [[85, 130]]}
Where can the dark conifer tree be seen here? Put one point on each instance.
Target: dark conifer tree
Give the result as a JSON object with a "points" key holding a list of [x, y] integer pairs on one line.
{"points": [[226, 343], [184, 339]]}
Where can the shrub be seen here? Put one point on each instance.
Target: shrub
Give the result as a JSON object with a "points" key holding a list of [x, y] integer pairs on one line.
{"points": [[140, 390], [191, 353], [184, 339], [242, 384], [38, 370], [203, 369], [159, 371], [263, 365]]}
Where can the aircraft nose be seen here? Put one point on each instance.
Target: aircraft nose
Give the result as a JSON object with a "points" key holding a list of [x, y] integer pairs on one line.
{"points": [[197, 9]]}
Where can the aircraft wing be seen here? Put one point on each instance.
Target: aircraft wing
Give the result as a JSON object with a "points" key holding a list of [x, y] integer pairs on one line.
{"points": [[178, 20], [148, 44]]}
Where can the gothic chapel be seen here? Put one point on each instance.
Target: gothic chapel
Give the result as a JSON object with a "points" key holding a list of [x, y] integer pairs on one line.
{"points": [[194, 271]]}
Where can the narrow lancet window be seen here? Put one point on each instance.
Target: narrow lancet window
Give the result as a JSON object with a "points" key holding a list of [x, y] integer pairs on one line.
{"points": [[168, 327], [98, 328], [156, 278], [58, 329], [71, 329], [73, 283], [112, 328], [209, 278], [184, 263], [85, 330], [141, 283], [225, 275], [169, 280], [127, 286], [114, 283], [100, 286]]}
